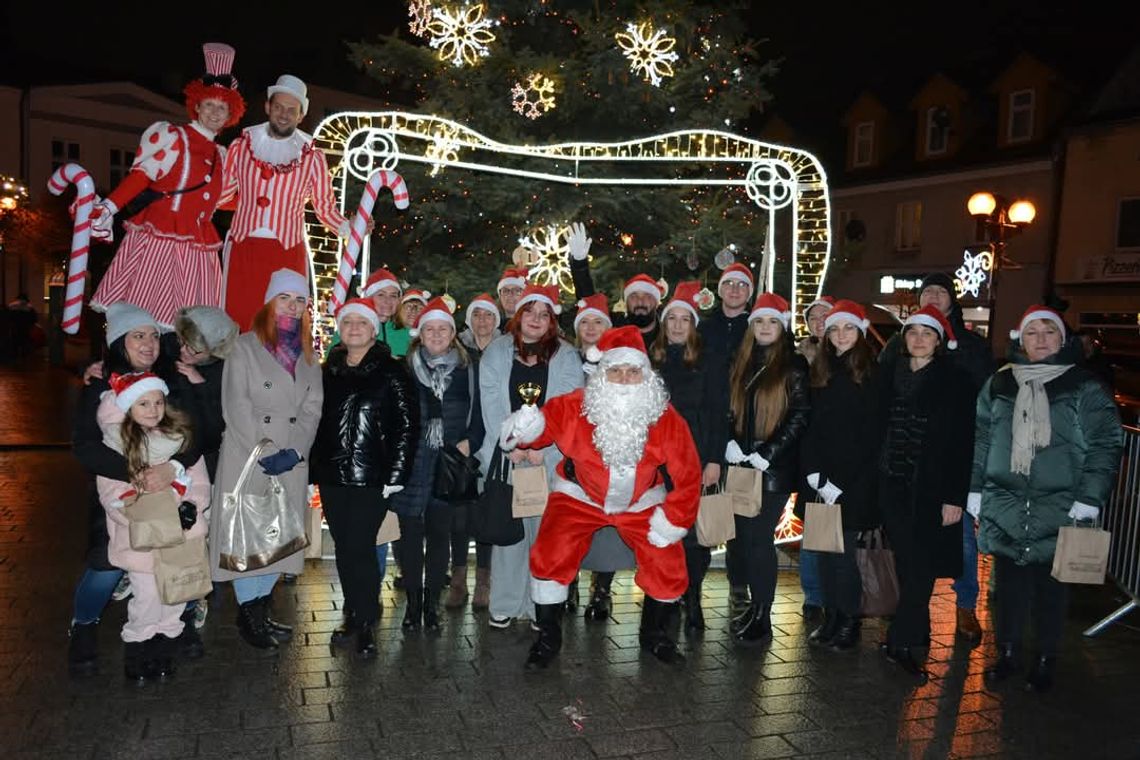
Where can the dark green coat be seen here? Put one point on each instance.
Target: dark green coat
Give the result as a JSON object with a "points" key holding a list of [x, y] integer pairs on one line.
{"points": [[1020, 515]]}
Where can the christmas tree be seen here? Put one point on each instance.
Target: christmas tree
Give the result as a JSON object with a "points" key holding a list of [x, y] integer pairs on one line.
{"points": [[534, 72]]}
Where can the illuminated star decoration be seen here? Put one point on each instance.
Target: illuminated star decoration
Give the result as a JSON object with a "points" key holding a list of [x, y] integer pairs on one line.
{"points": [[461, 34], [419, 17], [444, 147], [550, 244], [649, 51], [534, 97], [970, 277]]}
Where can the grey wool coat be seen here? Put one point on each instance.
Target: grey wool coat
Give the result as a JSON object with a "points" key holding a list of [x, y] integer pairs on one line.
{"points": [[260, 400]]}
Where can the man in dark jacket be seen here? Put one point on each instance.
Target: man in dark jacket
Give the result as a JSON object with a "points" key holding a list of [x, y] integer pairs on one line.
{"points": [[975, 360], [642, 294]]}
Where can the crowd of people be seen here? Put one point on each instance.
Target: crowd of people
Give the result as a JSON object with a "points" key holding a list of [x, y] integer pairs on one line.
{"points": [[626, 417]]}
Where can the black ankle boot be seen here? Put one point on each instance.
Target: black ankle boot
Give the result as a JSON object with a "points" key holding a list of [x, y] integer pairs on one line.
{"points": [[652, 637], [252, 626], [1040, 678], [346, 630], [903, 656], [825, 632], [83, 649], [431, 610], [694, 615], [366, 640], [601, 600], [739, 600], [846, 635], [160, 661], [190, 643], [548, 617], [414, 611], [758, 631], [572, 597], [280, 631], [1008, 663], [134, 655], [741, 620]]}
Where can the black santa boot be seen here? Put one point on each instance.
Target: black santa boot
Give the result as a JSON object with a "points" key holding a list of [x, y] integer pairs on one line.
{"points": [[653, 638], [548, 617]]}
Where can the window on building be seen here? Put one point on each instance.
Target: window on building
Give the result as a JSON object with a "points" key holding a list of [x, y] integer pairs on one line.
{"points": [[63, 151], [908, 226], [937, 130], [1128, 224], [121, 160], [864, 148], [1020, 127]]}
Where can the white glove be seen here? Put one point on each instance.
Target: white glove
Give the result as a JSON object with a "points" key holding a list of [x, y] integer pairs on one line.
{"points": [[522, 426], [578, 242], [102, 217], [389, 490], [663, 533], [974, 504], [757, 461], [732, 453], [830, 493], [1083, 511], [813, 480]]}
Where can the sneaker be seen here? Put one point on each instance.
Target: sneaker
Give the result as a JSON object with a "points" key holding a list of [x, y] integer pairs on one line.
{"points": [[500, 622], [123, 590], [201, 609]]}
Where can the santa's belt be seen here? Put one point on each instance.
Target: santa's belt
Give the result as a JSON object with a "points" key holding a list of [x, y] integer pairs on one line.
{"points": [[651, 498]]}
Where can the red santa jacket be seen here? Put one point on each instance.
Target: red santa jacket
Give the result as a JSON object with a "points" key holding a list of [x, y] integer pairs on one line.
{"points": [[669, 443]]}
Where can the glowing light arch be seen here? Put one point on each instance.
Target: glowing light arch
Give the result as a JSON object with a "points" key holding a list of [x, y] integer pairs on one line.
{"points": [[773, 176]]}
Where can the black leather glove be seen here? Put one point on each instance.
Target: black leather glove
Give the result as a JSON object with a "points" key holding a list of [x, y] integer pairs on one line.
{"points": [[187, 514]]}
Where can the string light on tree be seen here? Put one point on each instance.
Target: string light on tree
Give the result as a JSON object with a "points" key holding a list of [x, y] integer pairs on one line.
{"points": [[461, 35], [534, 97], [549, 248], [650, 51], [419, 17]]}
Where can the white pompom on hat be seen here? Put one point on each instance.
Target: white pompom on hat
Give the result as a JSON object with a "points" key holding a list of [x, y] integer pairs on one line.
{"points": [[415, 294], [361, 307], [286, 281], [130, 387], [1038, 311], [931, 316], [847, 311], [122, 317], [771, 305]]}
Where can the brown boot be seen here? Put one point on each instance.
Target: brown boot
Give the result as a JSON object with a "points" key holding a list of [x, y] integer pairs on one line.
{"points": [[968, 628], [482, 598], [457, 591]]}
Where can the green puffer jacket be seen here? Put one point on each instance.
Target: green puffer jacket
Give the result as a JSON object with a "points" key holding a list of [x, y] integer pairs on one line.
{"points": [[1020, 515]]}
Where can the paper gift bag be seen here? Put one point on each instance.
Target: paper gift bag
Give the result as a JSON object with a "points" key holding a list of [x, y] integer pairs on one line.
{"points": [[530, 491], [154, 521], [1082, 555], [389, 529], [823, 528], [182, 572], [745, 486], [716, 523], [876, 563]]}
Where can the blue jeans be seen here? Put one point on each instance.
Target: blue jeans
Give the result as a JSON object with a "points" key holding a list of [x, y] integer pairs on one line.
{"points": [[254, 587], [966, 586], [810, 580], [382, 558], [93, 593]]}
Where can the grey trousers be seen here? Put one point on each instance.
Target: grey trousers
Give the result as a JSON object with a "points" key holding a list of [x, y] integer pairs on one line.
{"points": [[510, 575]]}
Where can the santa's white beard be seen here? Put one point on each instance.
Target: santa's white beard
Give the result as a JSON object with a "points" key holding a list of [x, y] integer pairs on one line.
{"points": [[622, 414]]}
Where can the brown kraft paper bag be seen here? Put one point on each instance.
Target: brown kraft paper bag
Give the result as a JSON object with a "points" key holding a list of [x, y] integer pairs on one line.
{"points": [[389, 529], [745, 486], [716, 523], [823, 528], [530, 491], [182, 572], [154, 522], [1082, 555]]}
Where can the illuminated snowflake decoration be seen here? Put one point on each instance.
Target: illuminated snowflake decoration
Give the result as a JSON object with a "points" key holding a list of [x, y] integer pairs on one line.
{"points": [[534, 97], [461, 35], [444, 148], [974, 272], [419, 17], [649, 51], [549, 246]]}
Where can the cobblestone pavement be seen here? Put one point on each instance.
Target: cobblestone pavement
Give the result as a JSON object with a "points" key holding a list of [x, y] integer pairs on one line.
{"points": [[463, 693]]}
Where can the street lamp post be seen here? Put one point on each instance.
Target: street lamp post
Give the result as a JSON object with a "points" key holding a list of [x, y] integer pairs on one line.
{"points": [[998, 220]]}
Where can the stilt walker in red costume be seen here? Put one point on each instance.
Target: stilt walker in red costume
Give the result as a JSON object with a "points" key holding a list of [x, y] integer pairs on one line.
{"points": [[630, 462], [169, 257], [273, 169]]}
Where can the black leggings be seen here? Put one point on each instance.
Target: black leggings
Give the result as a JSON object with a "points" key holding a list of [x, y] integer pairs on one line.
{"points": [[354, 515], [461, 540], [840, 582], [756, 545], [432, 530], [697, 559]]}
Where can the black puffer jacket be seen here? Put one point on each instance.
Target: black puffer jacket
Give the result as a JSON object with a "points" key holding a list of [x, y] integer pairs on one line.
{"points": [[370, 421], [701, 399]]}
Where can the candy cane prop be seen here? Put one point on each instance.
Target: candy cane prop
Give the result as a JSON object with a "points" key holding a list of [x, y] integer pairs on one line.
{"points": [[380, 178], [74, 174]]}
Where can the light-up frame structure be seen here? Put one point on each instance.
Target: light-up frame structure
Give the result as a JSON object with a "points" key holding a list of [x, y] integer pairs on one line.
{"points": [[774, 177]]}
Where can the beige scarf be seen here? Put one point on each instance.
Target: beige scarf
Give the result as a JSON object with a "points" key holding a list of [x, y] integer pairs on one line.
{"points": [[1031, 427]]}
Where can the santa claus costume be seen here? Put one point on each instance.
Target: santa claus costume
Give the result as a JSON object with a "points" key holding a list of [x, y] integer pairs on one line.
{"points": [[169, 256], [273, 176], [630, 462]]}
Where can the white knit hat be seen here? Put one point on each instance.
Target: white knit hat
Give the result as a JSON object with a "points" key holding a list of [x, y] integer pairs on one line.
{"points": [[286, 281], [122, 317]]}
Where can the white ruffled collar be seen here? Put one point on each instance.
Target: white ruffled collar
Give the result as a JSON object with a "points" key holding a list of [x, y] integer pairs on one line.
{"points": [[277, 151]]}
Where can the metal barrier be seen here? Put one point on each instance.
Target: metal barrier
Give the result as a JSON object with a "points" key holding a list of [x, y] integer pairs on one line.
{"points": [[1122, 518]]}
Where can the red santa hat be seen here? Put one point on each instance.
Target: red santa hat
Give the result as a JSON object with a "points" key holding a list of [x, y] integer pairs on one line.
{"points": [[486, 303], [642, 283], [684, 297], [596, 305], [772, 305], [130, 387], [379, 280], [547, 294], [737, 272], [1037, 311], [847, 311], [361, 307], [513, 277], [217, 83], [415, 294], [619, 346], [931, 316], [436, 310], [286, 281], [827, 301]]}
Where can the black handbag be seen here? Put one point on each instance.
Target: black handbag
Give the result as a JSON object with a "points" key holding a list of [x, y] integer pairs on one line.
{"points": [[490, 520], [456, 476]]}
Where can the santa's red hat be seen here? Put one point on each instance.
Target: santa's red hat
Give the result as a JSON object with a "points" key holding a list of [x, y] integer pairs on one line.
{"points": [[642, 283], [684, 297], [931, 316], [619, 346], [847, 311], [772, 305], [547, 294], [596, 305], [513, 277], [415, 294], [485, 302], [827, 301], [737, 272], [217, 83], [361, 307], [1037, 311], [130, 387], [379, 280], [436, 310]]}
